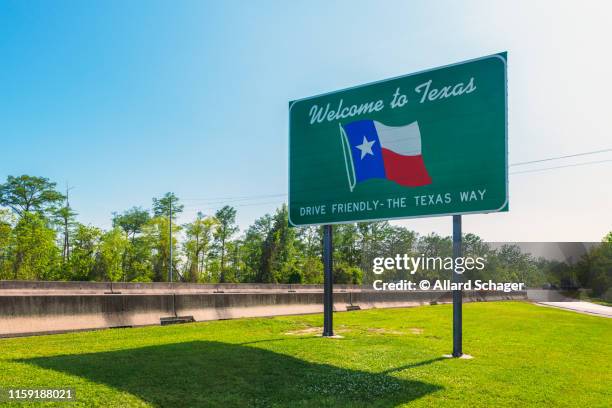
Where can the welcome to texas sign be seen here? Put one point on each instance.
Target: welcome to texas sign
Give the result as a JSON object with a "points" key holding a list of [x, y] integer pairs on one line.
{"points": [[426, 144]]}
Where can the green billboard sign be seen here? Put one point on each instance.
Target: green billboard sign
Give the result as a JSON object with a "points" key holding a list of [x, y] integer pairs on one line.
{"points": [[425, 144]]}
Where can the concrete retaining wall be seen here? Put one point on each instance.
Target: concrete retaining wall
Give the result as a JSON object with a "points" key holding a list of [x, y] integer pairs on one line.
{"points": [[65, 306]]}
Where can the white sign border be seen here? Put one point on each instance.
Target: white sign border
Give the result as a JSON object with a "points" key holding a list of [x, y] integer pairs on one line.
{"points": [[292, 103]]}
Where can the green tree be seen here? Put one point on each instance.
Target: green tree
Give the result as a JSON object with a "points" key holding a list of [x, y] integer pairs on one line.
{"points": [[64, 217], [372, 245], [227, 227], [253, 246], [433, 246], [110, 259], [7, 221], [473, 246], [85, 247], [310, 241], [156, 233], [312, 270], [594, 270], [141, 255], [198, 239], [32, 199], [346, 244], [279, 254], [398, 240], [508, 263], [162, 206], [309, 249], [26, 194], [347, 274], [167, 206], [235, 268], [131, 221], [37, 253]]}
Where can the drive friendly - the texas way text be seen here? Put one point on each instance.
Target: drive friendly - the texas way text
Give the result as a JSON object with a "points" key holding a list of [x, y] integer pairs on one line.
{"points": [[439, 199]]}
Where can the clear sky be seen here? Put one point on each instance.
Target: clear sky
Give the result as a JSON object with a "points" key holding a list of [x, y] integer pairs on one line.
{"points": [[125, 100]]}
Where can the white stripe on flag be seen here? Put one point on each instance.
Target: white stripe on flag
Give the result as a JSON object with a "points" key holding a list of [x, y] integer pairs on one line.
{"points": [[404, 140]]}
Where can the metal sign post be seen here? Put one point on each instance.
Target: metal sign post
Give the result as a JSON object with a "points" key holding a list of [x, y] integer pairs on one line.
{"points": [[457, 294], [328, 282]]}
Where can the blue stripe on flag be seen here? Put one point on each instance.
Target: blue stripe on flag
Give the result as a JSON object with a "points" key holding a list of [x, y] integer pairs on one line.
{"points": [[368, 164]]}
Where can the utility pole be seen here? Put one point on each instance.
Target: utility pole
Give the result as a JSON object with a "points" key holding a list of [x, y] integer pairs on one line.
{"points": [[66, 215], [170, 240]]}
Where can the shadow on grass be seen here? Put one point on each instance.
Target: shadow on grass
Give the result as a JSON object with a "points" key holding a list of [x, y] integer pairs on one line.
{"points": [[204, 373], [413, 365]]}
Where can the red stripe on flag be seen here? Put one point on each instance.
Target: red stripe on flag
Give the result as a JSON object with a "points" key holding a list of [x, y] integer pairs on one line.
{"points": [[405, 170]]}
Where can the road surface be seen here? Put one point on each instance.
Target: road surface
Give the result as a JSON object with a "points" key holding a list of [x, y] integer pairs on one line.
{"points": [[581, 307]]}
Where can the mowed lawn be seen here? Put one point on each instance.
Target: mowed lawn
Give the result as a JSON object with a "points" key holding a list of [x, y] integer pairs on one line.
{"points": [[524, 355]]}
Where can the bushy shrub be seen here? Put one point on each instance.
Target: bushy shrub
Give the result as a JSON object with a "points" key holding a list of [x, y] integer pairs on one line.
{"points": [[344, 273]]}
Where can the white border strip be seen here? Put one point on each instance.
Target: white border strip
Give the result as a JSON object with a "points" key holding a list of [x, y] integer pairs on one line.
{"points": [[347, 146]]}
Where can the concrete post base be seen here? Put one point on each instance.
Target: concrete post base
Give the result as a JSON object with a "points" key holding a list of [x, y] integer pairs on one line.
{"points": [[463, 356]]}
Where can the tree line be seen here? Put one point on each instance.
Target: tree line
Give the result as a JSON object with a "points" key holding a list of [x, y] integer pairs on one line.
{"points": [[41, 239]]}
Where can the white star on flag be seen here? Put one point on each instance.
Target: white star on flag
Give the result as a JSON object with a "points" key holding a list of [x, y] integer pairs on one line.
{"points": [[366, 147]]}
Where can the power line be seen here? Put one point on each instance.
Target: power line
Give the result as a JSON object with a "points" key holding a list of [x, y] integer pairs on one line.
{"points": [[561, 157], [560, 167], [516, 172], [194, 207], [225, 200], [213, 200]]}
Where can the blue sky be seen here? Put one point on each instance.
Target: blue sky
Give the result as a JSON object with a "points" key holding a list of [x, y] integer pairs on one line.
{"points": [[127, 100]]}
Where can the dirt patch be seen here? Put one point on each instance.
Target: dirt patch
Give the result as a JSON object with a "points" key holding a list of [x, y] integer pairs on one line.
{"points": [[416, 330], [313, 330], [378, 330], [308, 330]]}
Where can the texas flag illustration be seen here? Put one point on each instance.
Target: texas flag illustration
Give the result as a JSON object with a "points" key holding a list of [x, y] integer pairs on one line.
{"points": [[386, 152]]}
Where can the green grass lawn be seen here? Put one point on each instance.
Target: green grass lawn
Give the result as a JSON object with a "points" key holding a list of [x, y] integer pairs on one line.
{"points": [[524, 355]]}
